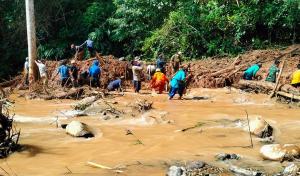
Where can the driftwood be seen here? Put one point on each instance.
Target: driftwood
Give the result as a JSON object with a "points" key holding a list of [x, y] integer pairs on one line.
{"points": [[288, 95], [287, 91], [9, 138], [9, 83], [92, 164], [72, 94], [259, 86]]}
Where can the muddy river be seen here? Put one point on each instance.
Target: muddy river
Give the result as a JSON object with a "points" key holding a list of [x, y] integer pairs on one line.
{"points": [[50, 151]]}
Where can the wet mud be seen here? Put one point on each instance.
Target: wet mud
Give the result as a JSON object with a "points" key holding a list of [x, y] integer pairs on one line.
{"points": [[216, 121]]}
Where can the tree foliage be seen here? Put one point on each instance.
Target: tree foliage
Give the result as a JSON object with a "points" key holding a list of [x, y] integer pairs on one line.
{"points": [[147, 27]]}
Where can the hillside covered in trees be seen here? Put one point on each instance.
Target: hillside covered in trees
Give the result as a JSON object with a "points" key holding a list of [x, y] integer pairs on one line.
{"points": [[147, 27]]}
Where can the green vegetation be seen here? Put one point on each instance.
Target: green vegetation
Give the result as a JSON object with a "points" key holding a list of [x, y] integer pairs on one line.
{"points": [[148, 27]]}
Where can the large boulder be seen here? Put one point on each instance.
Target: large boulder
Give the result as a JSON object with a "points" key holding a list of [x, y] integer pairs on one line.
{"points": [[278, 152], [260, 128], [78, 129]]}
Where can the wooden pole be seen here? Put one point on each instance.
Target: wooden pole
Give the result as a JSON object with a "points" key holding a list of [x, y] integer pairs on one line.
{"points": [[31, 40], [249, 129], [278, 79]]}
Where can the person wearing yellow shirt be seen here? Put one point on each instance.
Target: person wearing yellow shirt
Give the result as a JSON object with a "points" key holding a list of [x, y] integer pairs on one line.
{"points": [[296, 77]]}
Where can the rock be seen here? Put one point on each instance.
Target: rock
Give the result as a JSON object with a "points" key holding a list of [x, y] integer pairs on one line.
{"points": [[291, 170], [272, 152], [84, 103], [78, 129], [226, 156], [242, 171], [267, 140], [175, 171], [277, 152], [292, 150], [260, 128], [195, 165]]}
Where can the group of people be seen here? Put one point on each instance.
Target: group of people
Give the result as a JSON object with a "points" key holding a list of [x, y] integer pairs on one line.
{"points": [[251, 73], [157, 75], [156, 72], [72, 75], [78, 50]]}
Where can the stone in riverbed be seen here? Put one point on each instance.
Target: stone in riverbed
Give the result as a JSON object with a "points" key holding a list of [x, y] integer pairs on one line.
{"points": [[260, 128], [176, 171], [226, 156], [195, 165], [291, 170], [78, 129], [278, 152]]}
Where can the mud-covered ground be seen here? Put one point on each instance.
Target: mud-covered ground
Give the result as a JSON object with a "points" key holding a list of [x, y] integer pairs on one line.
{"points": [[158, 140]]}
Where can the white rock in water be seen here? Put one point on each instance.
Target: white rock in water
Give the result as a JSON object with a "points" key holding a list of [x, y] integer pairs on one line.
{"points": [[277, 152], [274, 152], [175, 171], [260, 128], [77, 129], [291, 150], [291, 170]]}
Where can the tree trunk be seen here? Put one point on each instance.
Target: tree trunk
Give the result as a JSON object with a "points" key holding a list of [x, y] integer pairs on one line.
{"points": [[31, 39]]}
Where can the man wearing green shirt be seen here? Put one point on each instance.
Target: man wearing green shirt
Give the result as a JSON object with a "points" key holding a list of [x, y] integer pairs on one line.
{"points": [[273, 71]]}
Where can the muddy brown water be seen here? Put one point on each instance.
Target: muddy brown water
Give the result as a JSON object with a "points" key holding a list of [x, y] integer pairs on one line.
{"points": [[49, 151]]}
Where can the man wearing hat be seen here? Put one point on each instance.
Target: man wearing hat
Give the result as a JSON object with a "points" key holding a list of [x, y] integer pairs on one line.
{"points": [[176, 60], [159, 81], [137, 72]]}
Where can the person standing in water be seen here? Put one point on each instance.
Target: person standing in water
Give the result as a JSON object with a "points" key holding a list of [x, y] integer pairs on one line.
{"points": [[137, 72], [178, 83]]}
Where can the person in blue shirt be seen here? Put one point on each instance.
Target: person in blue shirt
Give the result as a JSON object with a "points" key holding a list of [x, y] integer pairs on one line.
{"points": [[94, 74], [177, 83], [115, 85], [160, 63], [63, 71], [250, 73], [90, 46]]}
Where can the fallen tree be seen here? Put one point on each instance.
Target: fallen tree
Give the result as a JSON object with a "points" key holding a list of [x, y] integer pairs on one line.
{"points": [[287, 91]]}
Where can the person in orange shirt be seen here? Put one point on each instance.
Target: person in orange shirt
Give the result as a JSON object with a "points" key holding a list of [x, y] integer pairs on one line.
{"points": [[158, 81]]}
